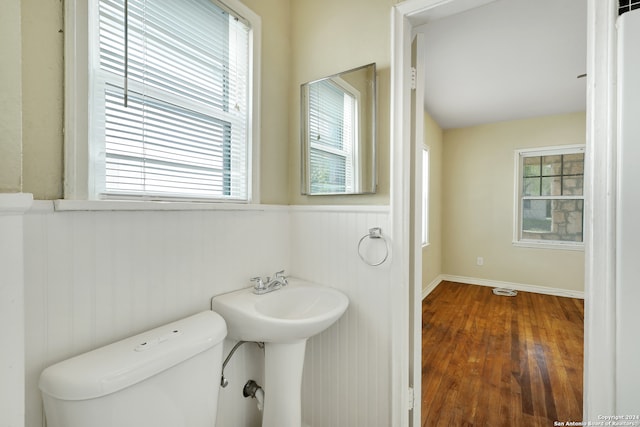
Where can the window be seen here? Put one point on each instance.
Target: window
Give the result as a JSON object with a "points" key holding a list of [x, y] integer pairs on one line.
{"points": [[425, 196], [333, 128], [171, 93], [550, 197]]}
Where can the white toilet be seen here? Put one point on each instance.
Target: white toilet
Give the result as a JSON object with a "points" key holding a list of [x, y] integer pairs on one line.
{"points": [[165, 377]]}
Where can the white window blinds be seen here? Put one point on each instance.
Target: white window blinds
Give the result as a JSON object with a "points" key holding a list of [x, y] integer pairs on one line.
{"points": [[170, 101], [332, 132]]}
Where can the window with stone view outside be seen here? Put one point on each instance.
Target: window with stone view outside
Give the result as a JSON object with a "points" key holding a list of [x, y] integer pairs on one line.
{"points": [[552, 197]]}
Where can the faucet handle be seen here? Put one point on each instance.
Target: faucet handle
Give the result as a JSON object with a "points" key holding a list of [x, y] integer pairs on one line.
{"points": [[280, 275], [259, 282]]}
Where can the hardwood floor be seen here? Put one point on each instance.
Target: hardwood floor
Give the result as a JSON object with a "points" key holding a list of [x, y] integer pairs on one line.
{"points": [[492, 360]]}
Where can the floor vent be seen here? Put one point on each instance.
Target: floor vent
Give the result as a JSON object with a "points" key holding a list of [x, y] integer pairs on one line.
{"points": [[504, 292]]}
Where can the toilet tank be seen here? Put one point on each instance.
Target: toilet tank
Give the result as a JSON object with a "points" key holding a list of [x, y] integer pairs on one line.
{"points": [[165, 377]]}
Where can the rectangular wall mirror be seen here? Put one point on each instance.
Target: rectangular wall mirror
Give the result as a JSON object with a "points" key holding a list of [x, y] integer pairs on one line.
{"points": [[338, 133]]}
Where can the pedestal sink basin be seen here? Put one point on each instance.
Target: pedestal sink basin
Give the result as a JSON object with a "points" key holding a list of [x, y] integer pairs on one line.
{"points": [[283, 319], [297, 311]]}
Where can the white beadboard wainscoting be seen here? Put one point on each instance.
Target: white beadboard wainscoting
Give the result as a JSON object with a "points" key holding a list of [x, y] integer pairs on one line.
{"points": [[347, 372], [12, 355], [94, 277]]}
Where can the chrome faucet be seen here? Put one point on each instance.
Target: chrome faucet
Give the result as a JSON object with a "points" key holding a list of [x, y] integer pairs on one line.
{"points": [[263, 286]]}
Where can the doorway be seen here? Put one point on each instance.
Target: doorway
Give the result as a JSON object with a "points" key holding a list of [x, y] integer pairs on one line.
{"points": [[600, 218]]}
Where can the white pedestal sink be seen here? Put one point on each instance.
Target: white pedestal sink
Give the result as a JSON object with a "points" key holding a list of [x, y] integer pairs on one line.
{"points": [[283, 319]]}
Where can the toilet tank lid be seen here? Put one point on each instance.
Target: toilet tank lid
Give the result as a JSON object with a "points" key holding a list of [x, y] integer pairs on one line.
{"points": [[127, 362]]}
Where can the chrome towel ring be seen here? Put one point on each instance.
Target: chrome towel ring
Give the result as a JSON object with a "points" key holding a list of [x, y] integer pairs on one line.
{"points": [[375, 233]]}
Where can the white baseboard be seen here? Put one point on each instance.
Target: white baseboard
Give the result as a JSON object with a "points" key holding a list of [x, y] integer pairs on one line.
{"points": [[431, 286], [499, 284]]}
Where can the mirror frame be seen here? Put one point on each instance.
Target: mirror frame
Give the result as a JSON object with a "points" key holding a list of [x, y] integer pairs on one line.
{"points": [[372, 141]]}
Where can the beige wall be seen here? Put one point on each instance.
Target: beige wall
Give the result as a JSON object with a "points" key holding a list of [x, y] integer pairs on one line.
{"points": [[276, 64], [432, 254], [478, 203], [42, 97], [10, 98], [328, 37]]}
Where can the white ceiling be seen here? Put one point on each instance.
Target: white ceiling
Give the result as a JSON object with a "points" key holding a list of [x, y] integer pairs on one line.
{"points": [[506, 60]]}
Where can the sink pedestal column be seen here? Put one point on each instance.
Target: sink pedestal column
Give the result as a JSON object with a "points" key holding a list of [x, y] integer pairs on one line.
{"points": [[283, 383]]}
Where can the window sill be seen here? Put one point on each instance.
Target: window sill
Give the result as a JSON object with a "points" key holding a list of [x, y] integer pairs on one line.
{"points": [[549, 245], [135, 205]]}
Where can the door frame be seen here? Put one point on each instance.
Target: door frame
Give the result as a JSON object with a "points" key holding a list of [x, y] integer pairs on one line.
{"points": [[599, 225]]}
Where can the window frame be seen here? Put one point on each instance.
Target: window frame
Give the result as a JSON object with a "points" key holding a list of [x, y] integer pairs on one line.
{"points": [[519, 154], [426, 202], [350, 155], [79, 180]]}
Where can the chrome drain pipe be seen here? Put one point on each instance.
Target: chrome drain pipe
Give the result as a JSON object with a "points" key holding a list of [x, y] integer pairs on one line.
{"points": [[252, 389]]}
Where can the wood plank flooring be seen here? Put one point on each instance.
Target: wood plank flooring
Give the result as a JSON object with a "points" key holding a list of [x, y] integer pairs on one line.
{"points": [[492, 360]]}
